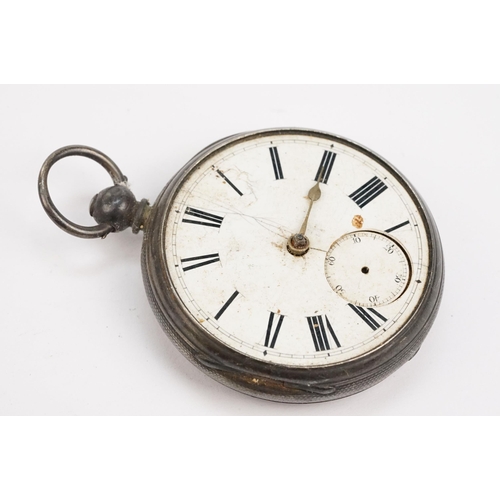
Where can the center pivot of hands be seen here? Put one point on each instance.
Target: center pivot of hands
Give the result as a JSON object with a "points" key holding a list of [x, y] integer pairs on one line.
{"points": [[298, 244]]}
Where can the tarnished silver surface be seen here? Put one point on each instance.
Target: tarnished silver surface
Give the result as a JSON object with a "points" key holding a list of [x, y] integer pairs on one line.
{"points": [[114, 208]]}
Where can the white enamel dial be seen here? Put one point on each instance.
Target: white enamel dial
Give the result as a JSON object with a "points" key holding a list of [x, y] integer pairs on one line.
{"points": [[226, 249], [367, 268]]}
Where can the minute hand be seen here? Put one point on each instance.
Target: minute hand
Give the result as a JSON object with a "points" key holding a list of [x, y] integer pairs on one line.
{"points": [[314, 195]]}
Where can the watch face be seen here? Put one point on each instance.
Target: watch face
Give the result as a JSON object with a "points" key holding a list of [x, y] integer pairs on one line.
{"points": [[296, 248]]}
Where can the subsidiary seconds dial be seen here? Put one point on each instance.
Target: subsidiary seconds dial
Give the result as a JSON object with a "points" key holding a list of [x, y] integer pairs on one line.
{"points": [[368, 268]]}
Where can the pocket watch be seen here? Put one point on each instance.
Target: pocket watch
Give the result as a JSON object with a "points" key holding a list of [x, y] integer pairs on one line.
{"points": [[289, 264]]}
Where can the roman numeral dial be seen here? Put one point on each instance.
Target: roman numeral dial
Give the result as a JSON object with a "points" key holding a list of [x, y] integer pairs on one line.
{"points": [[294, 251]]}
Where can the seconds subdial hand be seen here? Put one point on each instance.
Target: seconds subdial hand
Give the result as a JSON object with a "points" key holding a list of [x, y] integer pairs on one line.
{"points": [[298, 244]]}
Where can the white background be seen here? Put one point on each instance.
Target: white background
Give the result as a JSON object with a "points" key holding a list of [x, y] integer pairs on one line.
{"points": [[103, 41], [77, 334]]}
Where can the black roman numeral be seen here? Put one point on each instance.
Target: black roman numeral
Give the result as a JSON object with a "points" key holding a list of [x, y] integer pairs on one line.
{"points": [[397, 226], [200, 217], [229, 182], [368, 192], [325, 168], [204, 261], [368, 316], [319, 332], [226, 305], [278, 173], [270, 336]]}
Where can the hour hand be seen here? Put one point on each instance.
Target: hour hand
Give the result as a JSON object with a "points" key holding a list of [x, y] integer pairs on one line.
{"points": [[298, 244]]}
